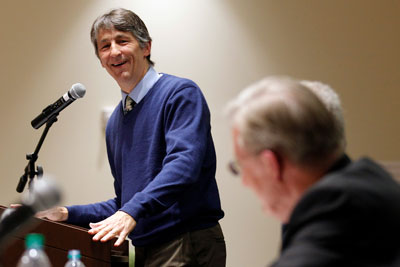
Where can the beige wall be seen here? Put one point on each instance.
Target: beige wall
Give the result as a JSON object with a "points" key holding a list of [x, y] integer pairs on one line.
{"points": [[223, 46]]}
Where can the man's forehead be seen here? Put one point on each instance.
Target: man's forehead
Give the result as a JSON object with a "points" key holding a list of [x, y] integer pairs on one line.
{"points": [[106, 34]]}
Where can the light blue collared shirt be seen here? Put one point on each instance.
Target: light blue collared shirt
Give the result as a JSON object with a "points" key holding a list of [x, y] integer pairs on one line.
{"points": [[143, 87]]}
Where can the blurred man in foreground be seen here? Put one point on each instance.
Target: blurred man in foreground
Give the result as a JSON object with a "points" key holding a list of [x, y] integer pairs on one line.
{"points": [[290, 150]]}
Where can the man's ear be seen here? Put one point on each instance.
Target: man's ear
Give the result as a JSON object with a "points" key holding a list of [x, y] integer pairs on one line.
{"points": [[147, 49], [271, 161]]}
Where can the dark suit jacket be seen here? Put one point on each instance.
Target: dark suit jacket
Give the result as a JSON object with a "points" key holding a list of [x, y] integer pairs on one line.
{"points": [[351, 217]]}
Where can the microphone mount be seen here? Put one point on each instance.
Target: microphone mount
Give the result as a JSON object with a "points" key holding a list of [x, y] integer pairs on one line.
{"points": [[30, 170]]}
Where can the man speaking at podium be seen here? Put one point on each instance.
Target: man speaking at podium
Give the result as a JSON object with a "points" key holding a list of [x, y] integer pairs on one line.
{"points": [[161, 155]]}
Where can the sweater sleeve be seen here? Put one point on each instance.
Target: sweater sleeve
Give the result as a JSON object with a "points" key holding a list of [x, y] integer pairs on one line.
{"points": [[84, 214], [187, 130]]}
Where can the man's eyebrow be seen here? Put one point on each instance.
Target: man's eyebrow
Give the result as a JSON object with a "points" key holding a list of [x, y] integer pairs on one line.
{"points": [[122, 36], [118, 36], [104, 40]]}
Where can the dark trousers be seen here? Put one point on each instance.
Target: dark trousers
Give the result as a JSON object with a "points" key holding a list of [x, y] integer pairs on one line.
{"points": [[198, 248]]}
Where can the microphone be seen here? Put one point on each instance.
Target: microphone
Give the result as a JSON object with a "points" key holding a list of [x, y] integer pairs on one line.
{"points": [[44, 194], [77, 91]]}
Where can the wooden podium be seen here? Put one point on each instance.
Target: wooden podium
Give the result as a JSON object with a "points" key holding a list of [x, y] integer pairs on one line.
{"points": [[61, 237]]}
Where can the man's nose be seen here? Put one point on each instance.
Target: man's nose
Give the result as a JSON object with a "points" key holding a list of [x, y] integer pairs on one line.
{"points": [[115, 51]]}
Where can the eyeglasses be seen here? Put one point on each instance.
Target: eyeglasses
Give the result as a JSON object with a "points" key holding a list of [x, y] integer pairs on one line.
{"points": [[234, 167]]}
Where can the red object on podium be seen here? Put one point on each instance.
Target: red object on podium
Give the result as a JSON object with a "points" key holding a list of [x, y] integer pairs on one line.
{"points": [[61, 237]]}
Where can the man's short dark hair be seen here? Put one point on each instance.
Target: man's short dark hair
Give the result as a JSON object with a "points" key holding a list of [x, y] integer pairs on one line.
{"points": [[121, 20]]}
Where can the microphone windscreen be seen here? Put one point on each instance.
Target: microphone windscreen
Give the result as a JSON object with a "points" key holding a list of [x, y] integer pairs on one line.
{"points": [[43, 194], [77, 90]]}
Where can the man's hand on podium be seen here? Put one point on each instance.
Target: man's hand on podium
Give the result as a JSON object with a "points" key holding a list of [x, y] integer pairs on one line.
{"points": [[118, 225], [57, 214]]}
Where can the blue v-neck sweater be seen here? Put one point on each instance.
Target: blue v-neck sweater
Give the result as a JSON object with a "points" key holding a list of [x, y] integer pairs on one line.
{"points": [[163, 161]]}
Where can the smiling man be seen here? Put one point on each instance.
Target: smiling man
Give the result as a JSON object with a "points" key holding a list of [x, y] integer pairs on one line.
{"points": [[123, 57], [161, 155]]}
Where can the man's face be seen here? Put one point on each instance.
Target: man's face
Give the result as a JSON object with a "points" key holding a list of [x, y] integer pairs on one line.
{"points": [[123, 58], [256, 175]]}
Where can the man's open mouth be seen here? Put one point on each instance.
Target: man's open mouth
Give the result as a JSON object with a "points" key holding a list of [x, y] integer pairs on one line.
{"points": [[119, 64]]}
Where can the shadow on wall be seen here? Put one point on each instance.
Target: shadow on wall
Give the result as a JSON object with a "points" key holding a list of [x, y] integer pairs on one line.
{"points": [[310, 37], [347, 44]]}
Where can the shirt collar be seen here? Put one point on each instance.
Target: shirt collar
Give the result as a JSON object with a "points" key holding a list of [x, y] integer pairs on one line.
{"points": [[143, 87], [340, 163]]}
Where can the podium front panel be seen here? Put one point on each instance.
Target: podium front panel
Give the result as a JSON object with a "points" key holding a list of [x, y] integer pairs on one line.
{"points": [[61, 237]]}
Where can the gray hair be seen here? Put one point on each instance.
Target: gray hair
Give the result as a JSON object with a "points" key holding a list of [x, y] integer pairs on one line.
{"points": [[287, 117], [122, 20], [331, 100]]}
